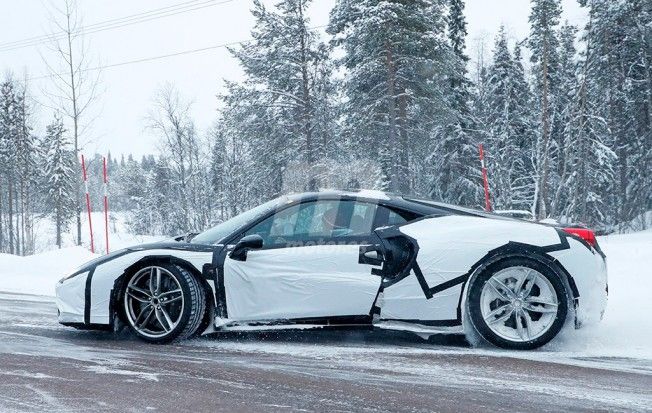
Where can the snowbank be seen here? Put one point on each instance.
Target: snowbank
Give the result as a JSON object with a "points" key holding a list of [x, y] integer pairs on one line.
{"points": [[119, 236], [37, 274], [626, 330]]}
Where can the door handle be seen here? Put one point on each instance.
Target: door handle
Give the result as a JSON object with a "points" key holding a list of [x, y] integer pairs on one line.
{"points": [[373, 255]]}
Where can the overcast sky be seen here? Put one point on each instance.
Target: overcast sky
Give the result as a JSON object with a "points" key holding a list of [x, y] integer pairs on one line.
{"points": [[127, 90]]}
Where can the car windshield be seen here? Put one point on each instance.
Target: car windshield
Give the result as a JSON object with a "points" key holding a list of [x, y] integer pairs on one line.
{"points": [[217, 233]]}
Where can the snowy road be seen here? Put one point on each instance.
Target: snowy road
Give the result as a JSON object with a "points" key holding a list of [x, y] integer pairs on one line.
{"points": [[46, 367]]}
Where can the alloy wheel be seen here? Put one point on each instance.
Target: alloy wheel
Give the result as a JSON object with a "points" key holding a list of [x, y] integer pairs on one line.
{"points": [[519, 304], [154, 302]]}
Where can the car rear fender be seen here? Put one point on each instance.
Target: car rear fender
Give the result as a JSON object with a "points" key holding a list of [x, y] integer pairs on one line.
{"points": [[447, 251]]}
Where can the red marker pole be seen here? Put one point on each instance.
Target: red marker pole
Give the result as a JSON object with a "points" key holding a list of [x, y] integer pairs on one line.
{"points": [[88, 203], [487, 204], [106, 205]]}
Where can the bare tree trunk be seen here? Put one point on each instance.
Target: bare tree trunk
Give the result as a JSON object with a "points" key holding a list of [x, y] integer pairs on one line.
{"points": [[305, 87], [18, 224], [404, 146], [2, 212], [75, 91], [59, 225], [545, 123], [10, 218], [75, 116], [391, 115]]}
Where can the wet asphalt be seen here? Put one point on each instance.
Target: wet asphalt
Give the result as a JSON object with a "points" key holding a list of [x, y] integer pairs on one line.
{"points": [[45, 367]]}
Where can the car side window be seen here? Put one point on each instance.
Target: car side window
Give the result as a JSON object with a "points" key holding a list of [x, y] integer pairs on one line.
{"points": [[317, 221], [388, 217]]}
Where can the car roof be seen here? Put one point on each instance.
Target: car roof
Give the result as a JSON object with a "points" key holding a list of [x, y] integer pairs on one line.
{"points": [[424, 207]]}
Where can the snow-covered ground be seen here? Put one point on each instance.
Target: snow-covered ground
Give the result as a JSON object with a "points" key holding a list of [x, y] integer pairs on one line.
{"points": [[37, 274], [119, 236], [626, 330]]}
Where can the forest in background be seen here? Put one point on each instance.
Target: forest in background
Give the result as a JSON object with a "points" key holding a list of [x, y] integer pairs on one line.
{"points": [[387, 99]]}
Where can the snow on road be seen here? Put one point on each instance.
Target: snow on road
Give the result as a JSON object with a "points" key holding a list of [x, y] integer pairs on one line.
{"points": [[626, 330]]}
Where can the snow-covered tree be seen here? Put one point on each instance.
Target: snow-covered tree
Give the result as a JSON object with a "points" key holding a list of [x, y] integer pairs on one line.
{"points": [[27, 175], [9, 128], [397, 63], [621, 37], [455, 167], [180, 148], [59, 164], [543, 43], [235, 178], [288, 84], [508, 126], [18, 174], [563, 106]]}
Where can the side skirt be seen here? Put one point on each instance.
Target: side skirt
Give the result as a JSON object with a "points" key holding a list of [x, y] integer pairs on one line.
{"points": [[354, 323], [297, 323]]}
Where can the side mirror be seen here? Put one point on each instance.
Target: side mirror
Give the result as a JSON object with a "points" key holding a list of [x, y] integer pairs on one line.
{"points": [[250, 242]]}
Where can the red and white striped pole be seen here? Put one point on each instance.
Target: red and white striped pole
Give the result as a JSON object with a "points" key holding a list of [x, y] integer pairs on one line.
{"points": [[88, 203], [487, 204], [106, 205]]}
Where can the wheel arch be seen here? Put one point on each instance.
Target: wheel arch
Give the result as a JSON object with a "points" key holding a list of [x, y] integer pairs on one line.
{"points": [[521, 250], [119, 283]]}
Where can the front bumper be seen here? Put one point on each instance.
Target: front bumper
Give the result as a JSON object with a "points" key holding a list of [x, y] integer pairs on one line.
{"points": [[71, 299]]}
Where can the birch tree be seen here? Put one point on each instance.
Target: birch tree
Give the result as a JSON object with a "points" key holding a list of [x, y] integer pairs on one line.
{"points": [[74, 82]]}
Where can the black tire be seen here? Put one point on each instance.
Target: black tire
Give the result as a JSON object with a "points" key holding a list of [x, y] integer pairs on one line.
{"points": [[194, 308], [208, 316], [479, 283]]}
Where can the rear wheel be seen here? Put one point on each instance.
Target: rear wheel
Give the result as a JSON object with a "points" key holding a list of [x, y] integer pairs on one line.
{"points": [[163, 302], [518, 303]]}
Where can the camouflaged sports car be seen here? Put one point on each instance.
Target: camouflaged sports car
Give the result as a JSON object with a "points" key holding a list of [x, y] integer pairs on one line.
{"points": [[337, 258]]}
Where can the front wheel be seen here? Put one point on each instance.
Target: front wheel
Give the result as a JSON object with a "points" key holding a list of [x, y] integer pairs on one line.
{"points": [[518, 303], [163, 302]]}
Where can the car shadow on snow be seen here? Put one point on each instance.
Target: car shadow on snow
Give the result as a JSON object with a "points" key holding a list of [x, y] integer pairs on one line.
{"points": [[341, 335]]}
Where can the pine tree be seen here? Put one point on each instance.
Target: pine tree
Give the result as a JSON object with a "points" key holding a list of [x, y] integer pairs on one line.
{"points": [[398, 64], [621, 62], [17, 170], [508, 126], [8, 132], [59, 165], [288, 85], [523, 129], [455, 164], [543, 43], [238, 179], [26, 174], [564, 105]]}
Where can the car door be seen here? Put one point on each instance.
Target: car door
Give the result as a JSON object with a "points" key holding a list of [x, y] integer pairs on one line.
{"points": [[316, 261]]}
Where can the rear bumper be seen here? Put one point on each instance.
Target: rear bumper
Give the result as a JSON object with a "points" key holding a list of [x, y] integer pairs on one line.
{"points": [[593, 295], [588, 270]]}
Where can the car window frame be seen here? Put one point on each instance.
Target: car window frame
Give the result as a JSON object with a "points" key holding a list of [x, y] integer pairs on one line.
{"points": [[352, 240], [304, 240]]}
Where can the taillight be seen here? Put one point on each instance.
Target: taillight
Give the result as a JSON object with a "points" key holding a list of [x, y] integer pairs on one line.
{"points": [[586, 234]]}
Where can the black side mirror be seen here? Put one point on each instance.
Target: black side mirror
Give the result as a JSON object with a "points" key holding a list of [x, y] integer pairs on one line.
{"points": [[250, 242]]}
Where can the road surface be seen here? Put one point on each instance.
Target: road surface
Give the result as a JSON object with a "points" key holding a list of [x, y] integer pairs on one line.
{"points": [[48, 367]]}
